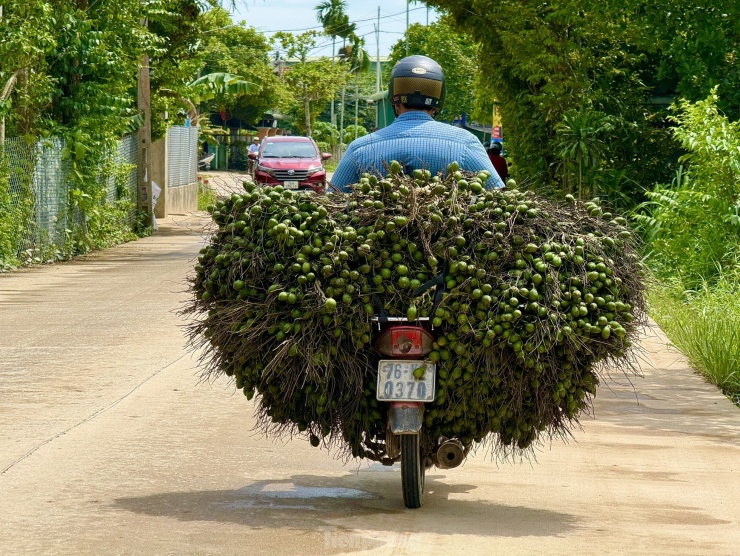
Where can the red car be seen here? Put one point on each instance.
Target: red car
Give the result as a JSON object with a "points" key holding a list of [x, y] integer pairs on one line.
{"points": [[293, 162]]}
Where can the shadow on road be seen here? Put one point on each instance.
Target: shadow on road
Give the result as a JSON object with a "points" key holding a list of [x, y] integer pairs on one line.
{"points": [[352, 502]]}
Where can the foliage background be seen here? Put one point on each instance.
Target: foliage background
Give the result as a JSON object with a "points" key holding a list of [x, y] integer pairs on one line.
{"points": [[454, 50], [561, 70]]}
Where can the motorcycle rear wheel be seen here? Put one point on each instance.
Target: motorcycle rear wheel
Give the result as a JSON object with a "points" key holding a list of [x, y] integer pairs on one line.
{"points": [[412, 470]]}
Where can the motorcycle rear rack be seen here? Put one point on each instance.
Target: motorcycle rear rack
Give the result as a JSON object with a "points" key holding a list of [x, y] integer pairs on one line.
{"points": [[378, 321], [400, 319]]}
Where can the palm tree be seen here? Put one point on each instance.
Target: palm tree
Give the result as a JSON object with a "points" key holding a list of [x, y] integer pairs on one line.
{"points": [[580, 143], [359, 60], [331, 14]]}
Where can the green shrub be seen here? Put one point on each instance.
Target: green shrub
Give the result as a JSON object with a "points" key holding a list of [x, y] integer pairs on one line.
{"points": [[323, 146], [692, 227], [705, 326], [206, 196], [325, 132], [349, 132]]}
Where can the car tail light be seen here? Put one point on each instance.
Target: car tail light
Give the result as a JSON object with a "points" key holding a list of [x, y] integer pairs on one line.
{"points": [[404, 341]]}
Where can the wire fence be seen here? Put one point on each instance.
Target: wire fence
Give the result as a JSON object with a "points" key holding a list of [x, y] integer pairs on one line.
{"points": [[125, 154], [37, 215]]}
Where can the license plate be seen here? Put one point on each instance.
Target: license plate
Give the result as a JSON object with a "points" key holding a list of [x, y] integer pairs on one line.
{"points": [[397, 383], [290, 184]]}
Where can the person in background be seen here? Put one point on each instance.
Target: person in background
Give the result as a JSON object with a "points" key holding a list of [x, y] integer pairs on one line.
{"points": [[253, 148], [498, 161], [414, 139]]}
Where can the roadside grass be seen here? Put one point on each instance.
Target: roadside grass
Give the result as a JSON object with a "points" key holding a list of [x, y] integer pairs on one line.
{"points": [[705, 326], [206, 196]]}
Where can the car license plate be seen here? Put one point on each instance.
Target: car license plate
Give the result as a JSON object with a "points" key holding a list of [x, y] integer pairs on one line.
{"points": [[396, 381], [290, 184]]}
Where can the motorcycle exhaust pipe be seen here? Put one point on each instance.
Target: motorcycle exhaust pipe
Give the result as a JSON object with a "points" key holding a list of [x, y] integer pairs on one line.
{"points": [[450, 454]]}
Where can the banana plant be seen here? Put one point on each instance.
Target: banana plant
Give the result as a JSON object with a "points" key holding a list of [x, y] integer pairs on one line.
{"points": [[220, 89]]}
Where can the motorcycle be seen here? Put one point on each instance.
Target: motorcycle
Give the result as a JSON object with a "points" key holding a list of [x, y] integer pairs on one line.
{"points": [[407, 382], [204, 163]]}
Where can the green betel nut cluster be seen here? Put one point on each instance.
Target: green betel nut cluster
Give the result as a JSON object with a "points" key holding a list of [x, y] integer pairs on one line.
{"points": [[538, 297]]}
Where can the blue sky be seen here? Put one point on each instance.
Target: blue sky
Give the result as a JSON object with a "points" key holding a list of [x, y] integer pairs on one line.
{"points": [[291, 15]]}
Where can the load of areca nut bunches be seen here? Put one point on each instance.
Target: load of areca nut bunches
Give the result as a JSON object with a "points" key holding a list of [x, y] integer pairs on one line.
{"points": [[539, 297]]}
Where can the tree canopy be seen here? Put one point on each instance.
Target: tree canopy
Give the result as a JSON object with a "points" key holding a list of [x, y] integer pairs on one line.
{"points": [[312, 82], [454, 51], [548, 64]]}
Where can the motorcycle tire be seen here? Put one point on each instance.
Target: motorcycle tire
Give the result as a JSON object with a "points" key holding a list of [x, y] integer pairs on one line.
{"points": [[412, 470]]}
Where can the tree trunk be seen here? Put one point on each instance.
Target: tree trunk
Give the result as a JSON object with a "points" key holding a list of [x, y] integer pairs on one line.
{"points": [[3, 96], [307, 108], [25, 114]]}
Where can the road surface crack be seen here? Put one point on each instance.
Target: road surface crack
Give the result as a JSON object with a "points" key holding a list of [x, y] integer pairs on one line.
{"points": [[89, 417]]}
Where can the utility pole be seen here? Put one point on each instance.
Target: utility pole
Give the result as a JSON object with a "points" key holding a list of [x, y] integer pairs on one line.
{"points": [[377, 50], [144, 150], [407, 26], [333, 118], [377, 70]]}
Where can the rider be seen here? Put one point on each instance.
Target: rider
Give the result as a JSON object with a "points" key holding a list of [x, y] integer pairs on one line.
{"points": [[253, 148], [498, 161], [416, 90]]}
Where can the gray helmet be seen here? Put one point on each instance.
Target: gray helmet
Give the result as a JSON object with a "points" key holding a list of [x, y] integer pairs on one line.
{"points": [[417, 82]]}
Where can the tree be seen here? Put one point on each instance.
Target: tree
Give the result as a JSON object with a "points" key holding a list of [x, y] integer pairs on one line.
{"points": [[580, 145], [249, 56], [358, 61], [225, 48], [541, 61], [27, 38], [456, 52], [313, 83], [692, 226], [332, 16], [177, 29], [220, 90]]}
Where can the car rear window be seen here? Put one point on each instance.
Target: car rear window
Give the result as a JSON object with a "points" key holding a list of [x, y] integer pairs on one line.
{"points": [[293, 149]]}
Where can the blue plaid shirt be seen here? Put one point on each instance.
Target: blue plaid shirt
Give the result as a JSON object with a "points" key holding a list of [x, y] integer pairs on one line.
{"points": [[418, 142]]}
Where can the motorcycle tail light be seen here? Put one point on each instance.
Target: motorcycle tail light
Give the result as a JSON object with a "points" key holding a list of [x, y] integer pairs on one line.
{"points": [[404, 341]]}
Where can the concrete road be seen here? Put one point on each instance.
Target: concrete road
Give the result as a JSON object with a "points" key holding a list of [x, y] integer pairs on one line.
{"points": [[109, 444], [227, 182]]}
